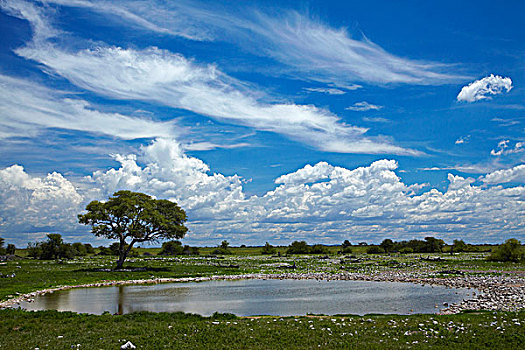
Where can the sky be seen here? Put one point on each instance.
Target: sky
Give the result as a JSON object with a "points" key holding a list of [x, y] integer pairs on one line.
{"points": [[266, 121]]}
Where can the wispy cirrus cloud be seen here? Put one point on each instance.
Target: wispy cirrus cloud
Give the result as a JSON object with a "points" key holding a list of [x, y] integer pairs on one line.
{"points": [[170, 79], [308, 48], [483, 89], [363, 106], [27, 108], [329, 91]]}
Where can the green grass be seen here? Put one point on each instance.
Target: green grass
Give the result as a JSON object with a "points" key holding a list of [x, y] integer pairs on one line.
{"points": [[55, 330]]}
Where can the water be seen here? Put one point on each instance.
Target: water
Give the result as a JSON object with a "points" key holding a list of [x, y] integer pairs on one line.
{"points": [[255, 297]]}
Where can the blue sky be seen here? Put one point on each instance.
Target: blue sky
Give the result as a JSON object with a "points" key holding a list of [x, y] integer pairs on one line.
{"points": [[266, 121]]}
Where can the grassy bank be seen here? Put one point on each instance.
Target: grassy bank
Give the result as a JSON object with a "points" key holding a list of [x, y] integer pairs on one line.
{"points": [[54, 330]]}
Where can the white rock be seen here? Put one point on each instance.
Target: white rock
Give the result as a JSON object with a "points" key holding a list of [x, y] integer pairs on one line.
{"points": [[128, 345]]}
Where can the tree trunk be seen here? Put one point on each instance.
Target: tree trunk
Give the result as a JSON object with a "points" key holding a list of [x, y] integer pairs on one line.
{"points": [[123, 253]]}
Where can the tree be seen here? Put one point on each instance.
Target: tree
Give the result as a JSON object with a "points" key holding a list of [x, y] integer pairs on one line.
{"points": [[458, 246], [318, 249], [223, 248], [375, 250], [268, 249], [388, 245], [51, 247], [434, 245], [80, 249], [171, 248], [346, 247], [511, 250], [298, 247], [89, 248], [133, 217], [2, 249], [11, 249]]}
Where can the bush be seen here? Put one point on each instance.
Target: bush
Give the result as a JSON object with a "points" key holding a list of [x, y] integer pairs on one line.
{"points": [[34, 250], [104, 251], [80, 249], [171, 248], [268, 249], [406, 250], [318, 249], [346, 250], [511, 250], [11, 249], [223, 248], [89, 248], [298, 247], [375, 250]]}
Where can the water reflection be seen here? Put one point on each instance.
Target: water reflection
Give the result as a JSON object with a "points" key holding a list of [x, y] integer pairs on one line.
{"points": [[255, 297]]}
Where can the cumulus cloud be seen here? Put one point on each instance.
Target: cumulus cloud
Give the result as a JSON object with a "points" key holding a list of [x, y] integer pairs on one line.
{"points": [[363, 107], [28, 107], [504, 149], [319, 203], [170, 79], [313, 49], [483, 89], [33, 204], [515, 174]]}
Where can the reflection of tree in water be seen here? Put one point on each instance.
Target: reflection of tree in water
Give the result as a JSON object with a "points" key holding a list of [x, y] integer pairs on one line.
{"points": [[120, 300]]}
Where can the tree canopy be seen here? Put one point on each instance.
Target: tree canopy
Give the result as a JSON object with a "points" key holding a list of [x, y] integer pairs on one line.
{"points": [[133, 217]]}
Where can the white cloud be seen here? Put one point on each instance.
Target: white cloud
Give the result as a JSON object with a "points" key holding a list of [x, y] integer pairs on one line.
{"points": [[462, 140], [483, 88], [27, 108], [363, 107], [329, 91], [515, 174], [503, 148], [309, 47], [170, 79], [32, 203], [320, 203], [207, 146]]}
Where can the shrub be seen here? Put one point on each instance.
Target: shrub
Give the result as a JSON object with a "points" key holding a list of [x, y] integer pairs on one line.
{"points": [[89, 248], [268, 249], [375, 250], [406, 250], [298, 247], [511, 250], [80, 249], [318, 249], [11, 249], [171, 248]]}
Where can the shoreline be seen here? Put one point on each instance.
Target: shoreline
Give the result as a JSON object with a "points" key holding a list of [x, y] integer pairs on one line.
{"points": [[497, 293]]}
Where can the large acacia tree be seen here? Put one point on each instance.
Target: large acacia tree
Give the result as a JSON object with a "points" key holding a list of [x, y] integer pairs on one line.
{"points": [[133, 217]]}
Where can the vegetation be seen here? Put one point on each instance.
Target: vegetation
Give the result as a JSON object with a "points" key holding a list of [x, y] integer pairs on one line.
{"points": [[223, 248], [268, 249], [346, 247], [133, 217], [176, 248], [301, 247], [61, 330], [65, 330], [429, 245], [511, 250]]}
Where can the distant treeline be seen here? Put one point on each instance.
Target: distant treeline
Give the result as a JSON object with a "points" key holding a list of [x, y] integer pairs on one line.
{"points": [[55, 248], [428, 245]]}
